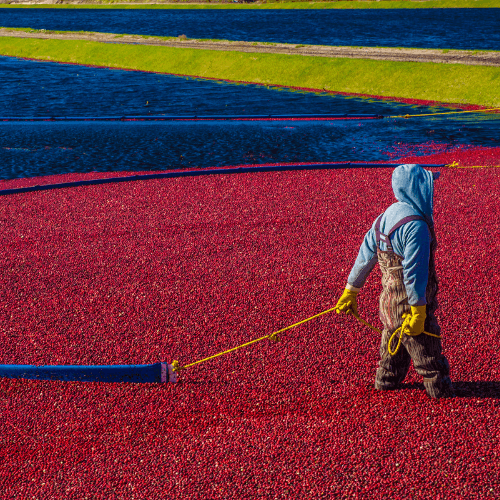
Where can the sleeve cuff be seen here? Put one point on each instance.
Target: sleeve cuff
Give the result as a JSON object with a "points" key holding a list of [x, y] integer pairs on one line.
{"points": [[418, 303], [352, 288]]}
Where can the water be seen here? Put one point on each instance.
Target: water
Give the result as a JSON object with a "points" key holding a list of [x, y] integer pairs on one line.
{"points": [[36, 88], [41, 88], [472, 29], [33, 149]]}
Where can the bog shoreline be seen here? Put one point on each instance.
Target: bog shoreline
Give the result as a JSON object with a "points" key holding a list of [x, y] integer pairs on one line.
{"points": [[446, 56], [243, 4]]}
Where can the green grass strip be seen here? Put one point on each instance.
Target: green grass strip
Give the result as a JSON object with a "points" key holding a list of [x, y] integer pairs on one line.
{"points": [[272, 4], [452, 83]]}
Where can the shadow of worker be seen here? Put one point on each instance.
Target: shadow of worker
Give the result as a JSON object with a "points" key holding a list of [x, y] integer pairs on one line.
{"points": [[463, 389]]}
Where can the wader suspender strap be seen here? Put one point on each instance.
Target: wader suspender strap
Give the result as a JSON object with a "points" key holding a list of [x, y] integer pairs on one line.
{"points": [[385, 238]]}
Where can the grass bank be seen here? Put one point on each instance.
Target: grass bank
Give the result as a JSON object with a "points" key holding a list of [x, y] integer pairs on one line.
{"points": [[271, 4], [449, 83]]}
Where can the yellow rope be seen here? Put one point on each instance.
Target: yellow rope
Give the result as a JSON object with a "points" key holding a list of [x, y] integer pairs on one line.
{"points": [[456, 165], [447, 113], [274, 337], [368, 324], [400, 338], [392, 353]]}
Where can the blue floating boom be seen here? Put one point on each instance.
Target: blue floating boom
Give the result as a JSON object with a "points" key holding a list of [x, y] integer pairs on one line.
{"points": [[160, 373], [194, 173], [189, 118]]}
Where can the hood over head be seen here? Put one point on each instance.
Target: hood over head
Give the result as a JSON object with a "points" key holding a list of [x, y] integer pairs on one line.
{"points": [[414, 185]]}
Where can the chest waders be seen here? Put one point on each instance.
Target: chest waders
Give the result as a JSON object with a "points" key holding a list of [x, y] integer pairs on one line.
{"points": [[424, 350]]}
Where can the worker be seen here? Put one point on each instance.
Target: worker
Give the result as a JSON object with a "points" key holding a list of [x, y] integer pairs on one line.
{"points": [[403, 241]]}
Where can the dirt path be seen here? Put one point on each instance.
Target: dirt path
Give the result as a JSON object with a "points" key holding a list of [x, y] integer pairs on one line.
{"points": [[469, 57]]}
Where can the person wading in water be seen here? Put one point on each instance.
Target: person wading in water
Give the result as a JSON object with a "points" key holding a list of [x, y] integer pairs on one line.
{"points": [[403, 241]]}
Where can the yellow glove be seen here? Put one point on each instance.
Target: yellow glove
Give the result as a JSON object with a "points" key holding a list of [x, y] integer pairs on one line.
{"points": [[347, 303], [413, 323]]}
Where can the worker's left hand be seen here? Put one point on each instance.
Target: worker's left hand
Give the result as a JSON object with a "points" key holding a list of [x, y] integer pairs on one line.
{"points": [[413, 323]]}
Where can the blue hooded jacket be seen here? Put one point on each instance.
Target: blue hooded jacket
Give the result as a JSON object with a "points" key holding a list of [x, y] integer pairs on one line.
{"points": [[413, 187]]}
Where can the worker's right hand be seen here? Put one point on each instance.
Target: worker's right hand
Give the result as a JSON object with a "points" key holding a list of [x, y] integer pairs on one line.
{"points": [[347, 303], [414, 321]]}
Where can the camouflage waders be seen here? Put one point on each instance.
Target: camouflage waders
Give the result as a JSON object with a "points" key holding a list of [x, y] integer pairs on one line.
{"points": [[423, 350]]}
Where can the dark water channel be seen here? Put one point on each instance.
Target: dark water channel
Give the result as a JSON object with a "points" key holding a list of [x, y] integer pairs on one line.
{"points": [[30, 149], [474, 29]]}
